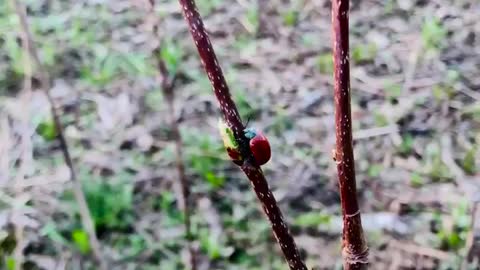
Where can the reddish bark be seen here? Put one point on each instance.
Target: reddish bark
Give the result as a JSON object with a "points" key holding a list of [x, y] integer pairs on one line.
{"points": [[232, 119], [355, 250]]}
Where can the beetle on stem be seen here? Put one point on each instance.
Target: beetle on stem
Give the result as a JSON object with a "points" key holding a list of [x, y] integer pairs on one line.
{"points": [[259, 145]]}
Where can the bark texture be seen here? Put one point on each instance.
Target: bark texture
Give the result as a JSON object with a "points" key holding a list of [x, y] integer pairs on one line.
{"points": [[233, 120], [355, 250]]}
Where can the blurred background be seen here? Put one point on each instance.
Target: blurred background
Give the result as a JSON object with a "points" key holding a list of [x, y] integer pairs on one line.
{"points": [[415, 105]]}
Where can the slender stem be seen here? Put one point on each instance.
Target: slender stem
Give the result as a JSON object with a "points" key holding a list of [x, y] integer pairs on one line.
{"points": [[232, 119], [168, 85], [46, 85], [212, 67], [355, 250], [26, 148], [473, 239]]}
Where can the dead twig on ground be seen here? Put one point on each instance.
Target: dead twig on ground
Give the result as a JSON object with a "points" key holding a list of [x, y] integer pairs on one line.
{"points": [[375, 131], [412, 66], [45, 81], [471, 189], [421, 250]]}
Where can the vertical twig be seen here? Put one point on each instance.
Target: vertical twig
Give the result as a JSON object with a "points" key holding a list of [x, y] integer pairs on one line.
{"points": [[233, 121], [45, 81], [182, 177], [355, 250], [412, 66], [168, 85], [262, 17], [25, 146], [473, 239]]}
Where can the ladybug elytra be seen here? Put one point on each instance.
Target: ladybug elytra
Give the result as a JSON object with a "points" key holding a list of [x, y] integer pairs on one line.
{"points": [[259, 145]]}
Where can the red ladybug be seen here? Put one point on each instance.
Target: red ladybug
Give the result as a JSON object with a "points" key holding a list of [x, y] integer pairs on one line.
{"points": [[259, 145]]}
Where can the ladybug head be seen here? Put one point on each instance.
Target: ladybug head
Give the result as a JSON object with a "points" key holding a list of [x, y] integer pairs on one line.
{"points": [[250, 133]]}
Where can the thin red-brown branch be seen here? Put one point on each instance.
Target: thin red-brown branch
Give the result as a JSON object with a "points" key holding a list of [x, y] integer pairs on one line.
{"points": [[232, 119], [355, 250]]}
